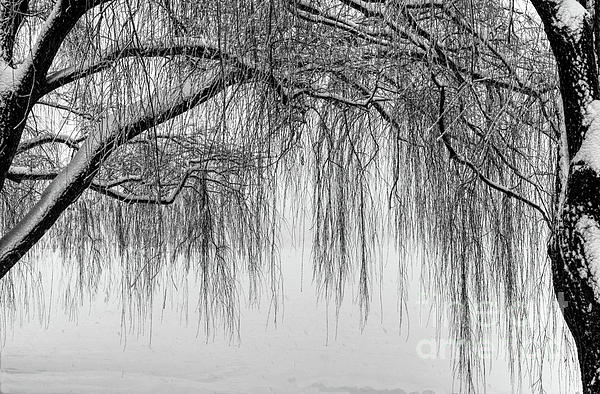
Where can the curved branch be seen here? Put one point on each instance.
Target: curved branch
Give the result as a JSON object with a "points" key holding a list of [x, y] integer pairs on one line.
{"points": [[22, 173], [461, 160], [192, 47], [69, 141], [132, 198]]}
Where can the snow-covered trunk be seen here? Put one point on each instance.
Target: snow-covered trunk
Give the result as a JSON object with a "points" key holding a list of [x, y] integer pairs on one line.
{"points": [[575, 244], [575, 254], [574, 248]]}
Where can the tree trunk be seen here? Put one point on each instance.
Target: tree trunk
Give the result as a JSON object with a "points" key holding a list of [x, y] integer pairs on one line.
{"points": [[574, 247], [575, 255]]}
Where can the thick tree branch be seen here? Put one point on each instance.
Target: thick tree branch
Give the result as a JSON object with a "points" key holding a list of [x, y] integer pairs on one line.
{"points": [[102, 141], [21, 173], [423, 4], [191, 47], [18, 88], [69, 141], [18, 174]]}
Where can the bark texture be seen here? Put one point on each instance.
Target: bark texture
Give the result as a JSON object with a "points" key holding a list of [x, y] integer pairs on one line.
{"points": [[574, 247]]}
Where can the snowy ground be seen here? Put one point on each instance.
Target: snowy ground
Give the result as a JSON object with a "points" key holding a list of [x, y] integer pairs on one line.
{"points": [[300, 355]]}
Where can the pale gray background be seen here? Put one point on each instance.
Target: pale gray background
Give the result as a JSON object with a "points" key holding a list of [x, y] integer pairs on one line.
{"points": [[300, 355]]}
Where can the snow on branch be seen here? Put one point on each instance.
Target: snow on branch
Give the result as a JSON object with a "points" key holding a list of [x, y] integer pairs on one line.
{"points": [[21, 173], [67, 140], [191, 47], [589, 151], [588, 229], [569, 17]]}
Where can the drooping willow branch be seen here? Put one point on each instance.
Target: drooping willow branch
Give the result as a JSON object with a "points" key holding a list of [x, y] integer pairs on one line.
{"points": [[19, 174], [427, 50], [62, 19], [443, 136], [66, 108], [108, 190], [311, 14]]}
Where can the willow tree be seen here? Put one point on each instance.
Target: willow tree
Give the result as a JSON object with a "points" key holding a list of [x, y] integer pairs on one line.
{"points": [[147, 115], [164, 131]]}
